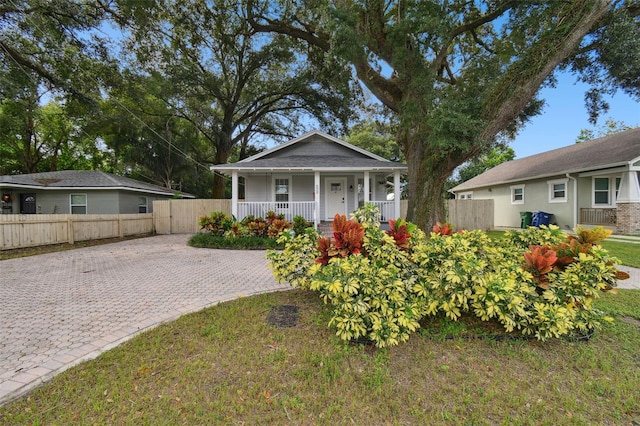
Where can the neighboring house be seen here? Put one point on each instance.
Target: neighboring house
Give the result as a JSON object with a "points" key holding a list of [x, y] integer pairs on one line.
{"points": [[78, 192], [314, 176], [590, 183]]}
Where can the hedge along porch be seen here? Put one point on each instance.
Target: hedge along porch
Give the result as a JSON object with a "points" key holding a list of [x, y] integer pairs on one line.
{"points": [[315, 176]]}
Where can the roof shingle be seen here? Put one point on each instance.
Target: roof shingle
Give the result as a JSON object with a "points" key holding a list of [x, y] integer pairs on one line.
{"points": [[609, 151], [81, 179]]}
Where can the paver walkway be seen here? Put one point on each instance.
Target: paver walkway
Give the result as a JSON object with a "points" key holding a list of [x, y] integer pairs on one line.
{"points": [[59, 309]]}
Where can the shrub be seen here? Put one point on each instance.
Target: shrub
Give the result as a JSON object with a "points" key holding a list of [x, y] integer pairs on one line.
{"points": [[533, 236], [216, 224], [204, 240], [300, 224], [380, 284]]}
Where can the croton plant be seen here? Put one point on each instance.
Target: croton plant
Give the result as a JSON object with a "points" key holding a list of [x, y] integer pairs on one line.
{"points": [[380, 284]]}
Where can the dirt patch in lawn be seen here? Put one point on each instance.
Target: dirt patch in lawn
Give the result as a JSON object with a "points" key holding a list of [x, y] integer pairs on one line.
{"points": [[32, 251]]}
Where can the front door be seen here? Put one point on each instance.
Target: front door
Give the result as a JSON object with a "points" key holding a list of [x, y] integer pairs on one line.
{"points": [[28, 203], [335, 197]]}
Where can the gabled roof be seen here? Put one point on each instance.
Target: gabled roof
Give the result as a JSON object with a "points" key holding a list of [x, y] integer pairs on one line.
{"points": [[314, 150], [616, 150], [81, 180]]}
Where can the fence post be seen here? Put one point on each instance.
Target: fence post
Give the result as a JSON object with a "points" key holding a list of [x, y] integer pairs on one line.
{"points": [[120, 227], [70, 230]]}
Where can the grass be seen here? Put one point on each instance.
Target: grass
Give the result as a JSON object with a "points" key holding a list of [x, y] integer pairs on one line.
{"points": [[226, 365], [627, 253]]}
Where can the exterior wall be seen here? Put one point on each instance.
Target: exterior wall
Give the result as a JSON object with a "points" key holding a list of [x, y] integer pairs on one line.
{"points": [[259, 188], [98, 202], [536, 198], [302, 188], [584, 192], [48, 202], [103, 202], [628, 217]]}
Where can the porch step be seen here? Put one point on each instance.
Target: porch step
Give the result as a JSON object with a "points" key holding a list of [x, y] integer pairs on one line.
{"points": [[325, 228]]}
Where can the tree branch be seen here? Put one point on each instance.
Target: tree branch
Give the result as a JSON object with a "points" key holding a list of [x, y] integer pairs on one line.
{"points": [[525, 76]]}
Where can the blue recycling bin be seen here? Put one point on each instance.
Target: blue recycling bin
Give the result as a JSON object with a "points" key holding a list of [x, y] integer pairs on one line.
{"points": [[540, 218]]}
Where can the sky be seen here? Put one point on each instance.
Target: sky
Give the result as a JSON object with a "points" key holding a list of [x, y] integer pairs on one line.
{"points": [[564, 115]]}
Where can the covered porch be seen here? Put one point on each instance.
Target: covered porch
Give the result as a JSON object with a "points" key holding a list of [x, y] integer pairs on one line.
{"points": [[317, 196], [315, 176]]}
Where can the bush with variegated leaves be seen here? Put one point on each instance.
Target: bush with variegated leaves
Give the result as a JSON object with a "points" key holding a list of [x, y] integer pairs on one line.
{"points": [[380, 284]]}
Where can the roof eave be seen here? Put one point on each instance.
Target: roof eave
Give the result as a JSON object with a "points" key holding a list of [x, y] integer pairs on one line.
{"points": [[544, 176], [227, 170], [91, 188]]}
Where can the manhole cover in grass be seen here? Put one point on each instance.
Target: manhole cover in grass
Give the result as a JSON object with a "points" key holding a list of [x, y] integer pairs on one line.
{"points": [[283, 316]]}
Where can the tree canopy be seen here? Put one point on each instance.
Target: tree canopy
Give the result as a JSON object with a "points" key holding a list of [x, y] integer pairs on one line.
{"points": [[231, 82], [462, 75]]}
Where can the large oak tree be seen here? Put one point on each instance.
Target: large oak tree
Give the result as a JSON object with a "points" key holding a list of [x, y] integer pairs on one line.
{"points": [[461, 75], [231, 81]]}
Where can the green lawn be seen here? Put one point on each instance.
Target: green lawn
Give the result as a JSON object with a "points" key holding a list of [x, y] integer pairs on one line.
{"points": [[627, 253], [226, 365]]}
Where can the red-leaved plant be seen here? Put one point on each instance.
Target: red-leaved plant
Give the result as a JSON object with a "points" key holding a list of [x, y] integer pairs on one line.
{"points": [[444, 229], [539, 260], [348, 236], [400, 232]]}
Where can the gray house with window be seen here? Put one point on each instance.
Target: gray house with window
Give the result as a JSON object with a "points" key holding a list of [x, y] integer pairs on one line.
{"points": [[78, 192], [315, 176], [591, 183]]}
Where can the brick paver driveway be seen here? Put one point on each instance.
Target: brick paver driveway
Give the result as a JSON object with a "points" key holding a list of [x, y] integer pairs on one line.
{"points": [[59, 309]]}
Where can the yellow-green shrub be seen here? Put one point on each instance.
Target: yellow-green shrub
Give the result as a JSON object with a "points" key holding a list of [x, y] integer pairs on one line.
{"points": [[382, 292]]}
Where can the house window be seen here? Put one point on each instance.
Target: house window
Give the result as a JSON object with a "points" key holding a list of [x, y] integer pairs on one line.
{"points": [[601, 193], [465, 196], [557, 191], [78, 203], [618, 180], [282, 193], [142, 204], [517, 194]]}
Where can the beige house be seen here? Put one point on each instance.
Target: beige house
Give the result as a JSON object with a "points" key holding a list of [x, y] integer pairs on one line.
{"points": [[78, 192], [591, 183], [315, 176]]}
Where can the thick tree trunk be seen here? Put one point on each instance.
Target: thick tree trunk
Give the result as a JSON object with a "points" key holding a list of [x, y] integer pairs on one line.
{"points": [[426, 177], [223, 152], [219, 181]]}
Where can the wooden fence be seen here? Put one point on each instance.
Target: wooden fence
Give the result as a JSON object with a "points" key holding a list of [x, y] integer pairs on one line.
{"points": [[18, 230], [470, 214], [181, 216]]}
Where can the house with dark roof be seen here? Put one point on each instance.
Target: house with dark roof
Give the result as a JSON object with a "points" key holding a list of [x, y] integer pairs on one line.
{"points": [[590, 183], [315, 176], [78, 191]]}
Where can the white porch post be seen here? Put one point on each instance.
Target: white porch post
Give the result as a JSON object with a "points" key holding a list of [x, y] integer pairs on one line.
{"points": [[396, 193], [316, 198], [234, 195], [629, 191], [366, 187]]}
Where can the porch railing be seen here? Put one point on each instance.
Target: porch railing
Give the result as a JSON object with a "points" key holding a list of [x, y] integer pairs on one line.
{"points": [[288, 209], [387, 209], [590, 216]]}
